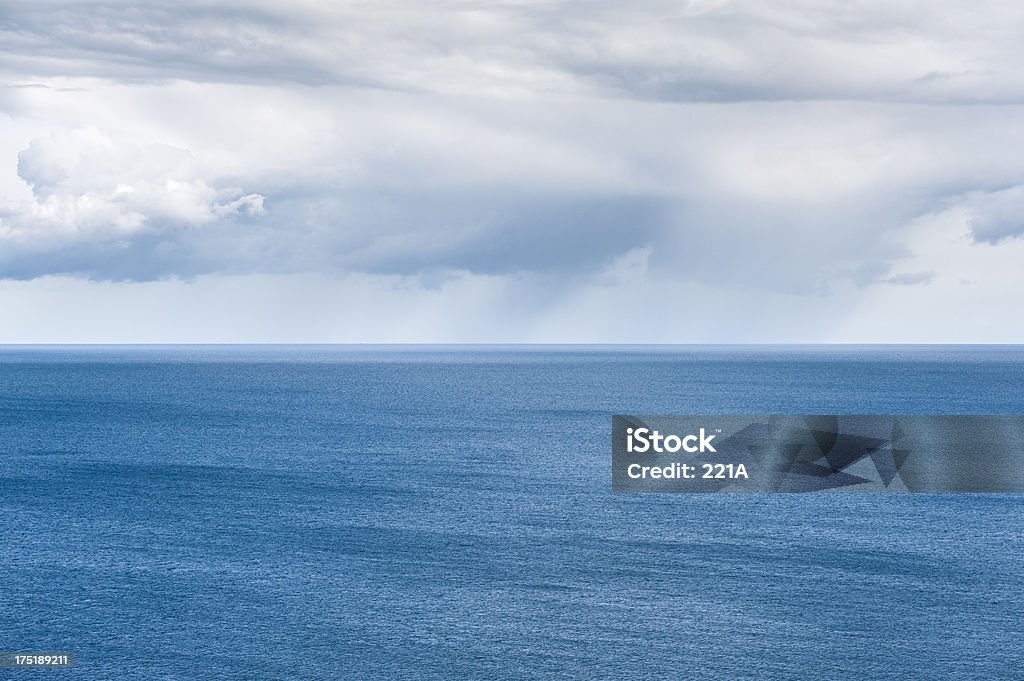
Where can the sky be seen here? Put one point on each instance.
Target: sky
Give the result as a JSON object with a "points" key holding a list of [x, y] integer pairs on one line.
{"points": [[512, 171]]}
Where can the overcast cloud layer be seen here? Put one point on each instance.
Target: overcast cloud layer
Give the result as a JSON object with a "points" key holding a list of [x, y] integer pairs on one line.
{"points": [[512, 171]]}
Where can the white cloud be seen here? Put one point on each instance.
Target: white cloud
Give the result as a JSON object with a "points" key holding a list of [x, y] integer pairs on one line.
{"points": [[83, 180], [92, 192]]}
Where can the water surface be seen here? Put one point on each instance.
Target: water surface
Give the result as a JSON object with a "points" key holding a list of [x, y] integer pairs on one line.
{"points": [[446, 513]]}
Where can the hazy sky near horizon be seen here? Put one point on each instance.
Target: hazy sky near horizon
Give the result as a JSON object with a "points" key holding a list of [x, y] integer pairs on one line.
{"points": [[518, 171]]}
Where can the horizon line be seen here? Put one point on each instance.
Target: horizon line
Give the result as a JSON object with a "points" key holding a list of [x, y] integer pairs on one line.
{"points": [[496, 344]]}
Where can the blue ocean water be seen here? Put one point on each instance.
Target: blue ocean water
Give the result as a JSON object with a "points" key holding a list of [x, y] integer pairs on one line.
{"points": [[446, 513]]}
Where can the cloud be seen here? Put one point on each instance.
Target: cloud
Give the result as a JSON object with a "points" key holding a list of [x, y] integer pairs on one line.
{"points": [[755, 154], [969, 296], [94, 199], [997, 215], [792, 197], [910, 278], [908, 50]]}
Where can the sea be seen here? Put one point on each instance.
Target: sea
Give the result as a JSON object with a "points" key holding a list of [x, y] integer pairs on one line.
{"points": [[436, 512]]}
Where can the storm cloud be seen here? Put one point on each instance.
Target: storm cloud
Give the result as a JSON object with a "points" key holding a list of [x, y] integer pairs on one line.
{"points": [[730, 150]]}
